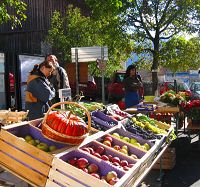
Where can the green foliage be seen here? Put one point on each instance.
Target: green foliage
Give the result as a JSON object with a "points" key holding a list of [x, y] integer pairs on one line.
{"points": [[13, 11], [179, 54], [75, 30], [151, 22]]}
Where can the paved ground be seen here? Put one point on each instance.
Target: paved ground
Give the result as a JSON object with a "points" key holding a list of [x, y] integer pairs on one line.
{"points": [[186, 172]]}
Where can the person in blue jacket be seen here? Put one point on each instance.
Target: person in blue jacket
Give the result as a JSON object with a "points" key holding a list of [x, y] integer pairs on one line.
{"points": [[132, 84], [39, 92]]}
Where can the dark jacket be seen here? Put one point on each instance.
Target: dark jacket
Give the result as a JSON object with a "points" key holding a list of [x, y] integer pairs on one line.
{"points": [[132, 84], [38, 94], [59, 78]]}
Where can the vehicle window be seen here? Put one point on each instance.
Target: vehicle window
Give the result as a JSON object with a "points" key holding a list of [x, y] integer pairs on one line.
{"points": [[192, 87], [171, 87], [182, 87], [120, 78], [197, 87]]}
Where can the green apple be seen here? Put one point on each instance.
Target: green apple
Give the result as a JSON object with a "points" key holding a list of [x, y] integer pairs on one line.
{"points": [[28, 138], [133, 140], [37, 141], [125, 151], [134, 119], [115, 134], [52, 148], [43, 146], [127, 139], [125, 147], [147, 146], [32, 142], [137, 144]]}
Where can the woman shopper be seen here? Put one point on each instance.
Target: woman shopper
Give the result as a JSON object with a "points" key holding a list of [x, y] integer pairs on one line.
{"points": [[39, 92], [132, 84]]}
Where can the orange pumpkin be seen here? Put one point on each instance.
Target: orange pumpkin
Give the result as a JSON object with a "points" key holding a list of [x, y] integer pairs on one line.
{"points": [[66, 123]]}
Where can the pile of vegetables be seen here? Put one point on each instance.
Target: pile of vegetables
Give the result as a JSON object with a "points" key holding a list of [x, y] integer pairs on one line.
{"points": [[174, 98]]}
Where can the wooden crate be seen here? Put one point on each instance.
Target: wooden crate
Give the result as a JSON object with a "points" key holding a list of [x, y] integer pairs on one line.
{"points": [[66, 175], [167, 109], [8, 116], [23, 159], [168, 159]]}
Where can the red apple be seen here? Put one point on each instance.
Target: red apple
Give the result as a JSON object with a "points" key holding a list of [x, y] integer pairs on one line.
{"points": [[110, 158], [91, 150], [105, 157], [110, 175], [116, 163], [113, 181], [100, 150], [72, 161], [86, 149], [116, 147], [95, 175], [130, 165], [85, 170], [109, 138], [92, 168], [123, 163], [82, 163], [126, 168], [106, 142], [116, 159], [97, 155]]}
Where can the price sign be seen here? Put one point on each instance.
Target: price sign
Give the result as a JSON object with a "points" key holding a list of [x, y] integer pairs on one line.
{"points": [[64, 93], [101, 64]]}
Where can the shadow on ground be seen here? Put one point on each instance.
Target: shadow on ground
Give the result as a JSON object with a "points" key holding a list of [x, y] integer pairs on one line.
{"points": [[186, 172]]}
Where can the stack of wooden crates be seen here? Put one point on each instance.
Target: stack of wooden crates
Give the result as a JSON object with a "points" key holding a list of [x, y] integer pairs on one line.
{"points": [[168, 159]]}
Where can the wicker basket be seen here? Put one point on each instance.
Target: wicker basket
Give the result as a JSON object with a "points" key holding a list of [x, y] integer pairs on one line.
{"points": [[59, 137]]}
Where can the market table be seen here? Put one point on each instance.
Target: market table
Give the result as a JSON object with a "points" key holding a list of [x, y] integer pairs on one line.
{"points": [[158, 108]]}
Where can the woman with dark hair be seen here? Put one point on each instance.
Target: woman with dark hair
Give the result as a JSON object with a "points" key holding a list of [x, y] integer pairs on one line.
{"points": [[132, 84], [39, 91]]}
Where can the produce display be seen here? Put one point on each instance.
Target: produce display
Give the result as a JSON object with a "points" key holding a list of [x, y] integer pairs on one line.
{"points": [[39, 144], [104, 159], [132, 140], [100, 170], [122, 147], [100, 118], [174, 98], [115, 158]]}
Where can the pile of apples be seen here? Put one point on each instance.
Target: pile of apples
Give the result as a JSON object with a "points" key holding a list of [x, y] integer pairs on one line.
{"points": [[100, 152], [37, 143], [93, 169], [108, 140], [132, 141]]}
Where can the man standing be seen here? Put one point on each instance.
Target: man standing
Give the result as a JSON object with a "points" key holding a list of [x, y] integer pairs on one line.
{"points": [[59, 78]]}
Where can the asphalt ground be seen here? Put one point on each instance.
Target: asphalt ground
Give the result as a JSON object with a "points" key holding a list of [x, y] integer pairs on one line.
{"points": [[186, 172]]}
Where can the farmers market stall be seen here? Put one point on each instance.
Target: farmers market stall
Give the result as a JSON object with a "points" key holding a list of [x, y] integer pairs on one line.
{"points": [[112, 147]]}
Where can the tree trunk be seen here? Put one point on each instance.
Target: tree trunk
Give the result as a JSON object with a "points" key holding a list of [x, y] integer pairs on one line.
{"points": [[154, 67]]}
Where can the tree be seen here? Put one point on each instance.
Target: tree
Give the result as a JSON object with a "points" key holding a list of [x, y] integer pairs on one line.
{"points": [[180, 54], [75, 30], [13, 11], [152, 21]]}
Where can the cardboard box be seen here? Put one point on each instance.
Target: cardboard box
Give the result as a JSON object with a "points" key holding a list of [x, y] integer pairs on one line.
{"points": [[168, 159]]}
